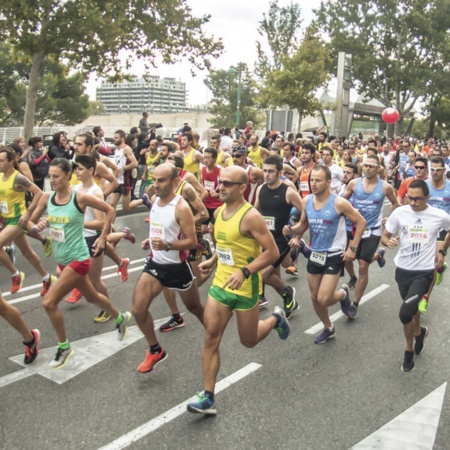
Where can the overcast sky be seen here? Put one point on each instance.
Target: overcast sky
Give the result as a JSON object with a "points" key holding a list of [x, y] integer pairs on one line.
{"points": [[236, 22]]}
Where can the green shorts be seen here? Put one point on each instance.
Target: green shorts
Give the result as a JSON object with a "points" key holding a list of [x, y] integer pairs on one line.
{"points": [[149, 183], [233, 301], [11, 221]]}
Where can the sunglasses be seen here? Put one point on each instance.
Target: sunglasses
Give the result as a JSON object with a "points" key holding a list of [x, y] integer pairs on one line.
{"points": [[370, 166], [228, 184], [437, 169], [415, 199], [237, 156], [420, 167]]}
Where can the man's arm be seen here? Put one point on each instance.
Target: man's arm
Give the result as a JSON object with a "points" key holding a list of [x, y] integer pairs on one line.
{"points": [[110, 165], [350, 188], [130, 155], [104, 173], [202, 192], [22, 183], [198, 156], [191, 196]]}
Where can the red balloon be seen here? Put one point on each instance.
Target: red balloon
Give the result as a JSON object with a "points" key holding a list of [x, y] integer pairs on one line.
{"points": [[390, 115]]}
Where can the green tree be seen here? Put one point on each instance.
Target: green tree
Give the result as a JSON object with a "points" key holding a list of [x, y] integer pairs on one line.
{"points": [[224, 87], [295, 84], [399, 48], [90, 34]]}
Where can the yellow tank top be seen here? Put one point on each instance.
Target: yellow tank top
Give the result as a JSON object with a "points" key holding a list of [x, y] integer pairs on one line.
{"points": [[190, 165], [235, 251], [256, 156], [12, 202], [150, 161], [74, 180], [220, 158]]}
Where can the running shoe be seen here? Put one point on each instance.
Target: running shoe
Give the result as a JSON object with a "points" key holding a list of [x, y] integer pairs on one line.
{"points": [[352, 311], [146, 201], [263, 302], [11, 251], [147, 219], [204, 405], [122, 328], [408, 362], [292, 270], [74, 297], [423, 305], [102, 316], [420, 340], [346, 302], [48, 246], [151, 360], [61, 358], [32, 348], [440, 275], [290, 304], [172, 324], [283, 326], [129, 236], [352, 282], [325, 335], [16, 282], [47, 284], [381, 259], [123, 269], [304, 249]]}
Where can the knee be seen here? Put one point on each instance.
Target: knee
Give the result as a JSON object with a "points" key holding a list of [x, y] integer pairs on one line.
{"points": [[408, 309], [49, 303], [249, 343], [320, 300], [139, 312]]}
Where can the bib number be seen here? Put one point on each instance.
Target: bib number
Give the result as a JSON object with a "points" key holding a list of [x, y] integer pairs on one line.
{"points": [[270, 222], [366, 234], [157, 231], [57, 234], [318, 258], [225, 256], [419, 237], [209, 185], [304, 186], [4, 207]]}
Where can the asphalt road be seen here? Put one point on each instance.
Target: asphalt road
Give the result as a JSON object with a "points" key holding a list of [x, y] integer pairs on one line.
{"points": [[282, 394]]}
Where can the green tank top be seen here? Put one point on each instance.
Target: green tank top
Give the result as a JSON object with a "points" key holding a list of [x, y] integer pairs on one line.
{"points": [[66, 224]]}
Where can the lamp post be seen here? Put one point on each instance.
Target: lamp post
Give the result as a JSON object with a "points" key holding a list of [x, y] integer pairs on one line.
{"points": [[237, 70]]}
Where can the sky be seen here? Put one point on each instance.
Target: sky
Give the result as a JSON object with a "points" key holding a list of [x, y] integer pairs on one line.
{"points": [[236, 22]]}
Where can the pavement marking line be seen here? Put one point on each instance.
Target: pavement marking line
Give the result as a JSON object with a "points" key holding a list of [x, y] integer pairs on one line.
{"points": [[15, 376], [166, 417], [337, 315], [414, 429]]}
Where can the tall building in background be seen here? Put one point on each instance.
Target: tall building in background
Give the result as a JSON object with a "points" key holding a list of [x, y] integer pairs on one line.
{"points": [[152, 94]]}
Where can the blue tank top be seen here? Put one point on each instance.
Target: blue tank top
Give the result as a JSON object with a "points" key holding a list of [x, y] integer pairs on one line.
{"points": [[440, 198], [326, 227], [369, 205]]}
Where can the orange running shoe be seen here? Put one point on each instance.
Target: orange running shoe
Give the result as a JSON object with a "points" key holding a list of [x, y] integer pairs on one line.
{"points": [[151, 360], [16, 282], [74, 297], [123, 269]]}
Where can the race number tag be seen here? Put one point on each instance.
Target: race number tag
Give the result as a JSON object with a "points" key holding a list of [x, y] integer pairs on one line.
{"points": [[366, 234], [304, 186], [270, 222], [209, 185], [318, 258], [157, 231], [4, 207], [151, 168], [419, 235], [57, 234], [225, 256]]}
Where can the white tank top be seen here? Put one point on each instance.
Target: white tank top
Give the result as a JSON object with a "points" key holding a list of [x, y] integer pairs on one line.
{"points": [[164, 225], [121, 161], [89, 213]]}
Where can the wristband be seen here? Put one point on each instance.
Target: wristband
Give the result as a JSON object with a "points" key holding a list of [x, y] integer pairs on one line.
{"points": [[246, 272]]}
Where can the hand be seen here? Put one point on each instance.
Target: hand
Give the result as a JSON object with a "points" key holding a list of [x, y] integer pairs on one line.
{"points": [[24, 218], [145, 244], [99, 246], [41, 225], [287, 230], [349, 255], [393, 242], [206, 267], [158, 244], [439, 260], [235, 280], [294, 242]]}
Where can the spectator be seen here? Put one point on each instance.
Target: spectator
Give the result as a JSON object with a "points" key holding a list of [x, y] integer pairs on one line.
{"points": [[39, 161], [58, 148], [143, 123]]}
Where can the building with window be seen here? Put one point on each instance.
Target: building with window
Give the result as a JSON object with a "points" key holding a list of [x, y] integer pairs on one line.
{"points": [[152, 94]]}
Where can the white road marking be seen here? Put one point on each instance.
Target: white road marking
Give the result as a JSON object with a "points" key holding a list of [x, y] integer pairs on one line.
{"points": [[414, 429], [87, 353], [39, 286], [319, 326], [166, 417]]}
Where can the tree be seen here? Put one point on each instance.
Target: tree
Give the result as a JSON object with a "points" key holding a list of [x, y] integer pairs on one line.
{"points": [[94, 36], [60, 99], [296, 82], [280, 28], [399, 48], [224, 87]]}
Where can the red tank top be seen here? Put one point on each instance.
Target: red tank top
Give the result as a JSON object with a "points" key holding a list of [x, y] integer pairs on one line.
{"points": [[210, 183]]}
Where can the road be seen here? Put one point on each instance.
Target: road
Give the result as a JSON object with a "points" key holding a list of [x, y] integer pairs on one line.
{"points": [[281, 394]]}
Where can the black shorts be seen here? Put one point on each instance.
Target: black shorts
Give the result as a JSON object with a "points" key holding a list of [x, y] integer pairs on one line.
{"points": [[173, 276], [333, 265], [367, 248], [90, 242], [211, 218], [413, 282], [441, 235], [123, 189], [284, 250]]}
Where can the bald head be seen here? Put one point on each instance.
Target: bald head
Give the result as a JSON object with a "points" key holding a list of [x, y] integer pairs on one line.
{"points": [[166, 170], [235, 173]]}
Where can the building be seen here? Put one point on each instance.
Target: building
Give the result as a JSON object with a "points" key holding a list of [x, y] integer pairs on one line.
{"points": [[152, 94]]}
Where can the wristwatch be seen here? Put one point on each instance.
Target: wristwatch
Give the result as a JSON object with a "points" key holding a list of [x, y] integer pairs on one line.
{"points": [[353, 248], [443, 252], [168, 246], [246, 272]]}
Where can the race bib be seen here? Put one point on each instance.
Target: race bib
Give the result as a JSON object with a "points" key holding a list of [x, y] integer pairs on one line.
{"points": [[151, 168], [4, 207], [366, 234], [209, 185], [57, 234], [270, 222], [419, 236], [304, 186], [157, 231], [225, 256], [318, 258]]}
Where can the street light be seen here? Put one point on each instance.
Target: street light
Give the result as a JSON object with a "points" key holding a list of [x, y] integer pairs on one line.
{"points": [[237, 71]]}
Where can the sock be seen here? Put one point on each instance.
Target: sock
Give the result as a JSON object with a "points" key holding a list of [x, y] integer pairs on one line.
{"points": [[425, 297], [330, 329], [16, 274], [46, 277], [278, 321], [355, 305], [30, 343], [64, 345], [285, 292], [210, 395], [155, 349], [119, 319], [177, 316]]}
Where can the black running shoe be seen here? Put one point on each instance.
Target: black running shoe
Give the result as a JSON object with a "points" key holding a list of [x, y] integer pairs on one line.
{"points": [[420, 340], [408, 362]]}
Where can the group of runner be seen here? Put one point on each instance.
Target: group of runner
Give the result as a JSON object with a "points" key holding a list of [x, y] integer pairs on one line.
{"points": [[257, 204]]}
